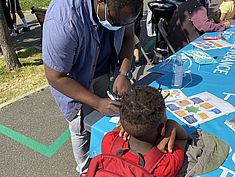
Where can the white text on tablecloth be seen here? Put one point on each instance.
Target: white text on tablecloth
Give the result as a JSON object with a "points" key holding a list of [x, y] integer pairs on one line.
{"points": [[228, 34], [228, 95], [226, 172], [226, 64]]}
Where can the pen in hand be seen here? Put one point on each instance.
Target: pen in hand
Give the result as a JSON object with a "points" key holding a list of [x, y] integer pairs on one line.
{"points": [[113, 96]]}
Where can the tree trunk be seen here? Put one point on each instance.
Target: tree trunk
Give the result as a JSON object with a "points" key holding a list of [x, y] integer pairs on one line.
{"points": [[6, 45]]}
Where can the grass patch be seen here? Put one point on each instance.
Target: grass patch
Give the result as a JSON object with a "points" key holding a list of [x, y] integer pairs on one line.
{"points": [[27, 4], [24, 79]]}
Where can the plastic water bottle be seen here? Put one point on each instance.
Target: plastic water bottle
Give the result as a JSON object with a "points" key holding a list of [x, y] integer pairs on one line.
{"points": [[178, 75]]}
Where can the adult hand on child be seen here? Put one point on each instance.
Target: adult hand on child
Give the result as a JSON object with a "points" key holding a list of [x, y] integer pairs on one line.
{"points": [[122, 132], [109, 107]]}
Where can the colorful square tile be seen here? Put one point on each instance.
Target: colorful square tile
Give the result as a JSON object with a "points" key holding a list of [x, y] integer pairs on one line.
{"points": [[172, 107], [196, 100], [203, 115], [216, 111], [183, 103], [190, 119], [180, 113], [206, 105]]}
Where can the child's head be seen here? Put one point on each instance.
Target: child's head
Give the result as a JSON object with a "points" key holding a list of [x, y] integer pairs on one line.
{"points": [[143, 111], [205, 3]]}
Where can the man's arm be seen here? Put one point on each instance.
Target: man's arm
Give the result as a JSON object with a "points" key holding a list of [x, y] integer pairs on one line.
{"points": [[59, 45], [73, 89], [121, 83], [127, 49]]}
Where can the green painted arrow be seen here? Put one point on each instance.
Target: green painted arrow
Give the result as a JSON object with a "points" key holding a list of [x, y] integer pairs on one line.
{"points": [[50, 150], [47, 151]]}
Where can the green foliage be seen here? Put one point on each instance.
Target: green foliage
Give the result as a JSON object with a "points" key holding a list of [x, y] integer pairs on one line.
{"points": [[24, 79], [27, 4]]}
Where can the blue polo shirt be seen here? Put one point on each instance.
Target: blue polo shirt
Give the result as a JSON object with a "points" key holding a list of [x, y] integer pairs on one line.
{"points": [[71, 45]]}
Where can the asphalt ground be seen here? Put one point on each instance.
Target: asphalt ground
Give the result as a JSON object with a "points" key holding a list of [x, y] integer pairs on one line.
{"points": [[34, 137]]}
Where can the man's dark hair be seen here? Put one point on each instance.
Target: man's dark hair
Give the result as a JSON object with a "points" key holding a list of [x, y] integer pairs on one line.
{"points": [[142, 110], [134, 5]]}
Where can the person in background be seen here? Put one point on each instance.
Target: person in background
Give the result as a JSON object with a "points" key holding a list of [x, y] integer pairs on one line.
{"points": [[14, 6], [83, 42], [7, 15], [143, 117], [227, 10], [201, 21], [189, 21]]}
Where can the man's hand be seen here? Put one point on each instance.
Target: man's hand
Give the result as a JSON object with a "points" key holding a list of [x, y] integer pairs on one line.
{"points": [[121, 85], [108, 107], [227, 24]]}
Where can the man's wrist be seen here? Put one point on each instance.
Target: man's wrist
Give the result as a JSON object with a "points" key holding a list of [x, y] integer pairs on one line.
{"points": [[126, 74]]}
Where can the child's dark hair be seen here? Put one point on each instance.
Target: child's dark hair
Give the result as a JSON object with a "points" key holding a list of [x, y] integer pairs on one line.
{"points": [[143, 109]]}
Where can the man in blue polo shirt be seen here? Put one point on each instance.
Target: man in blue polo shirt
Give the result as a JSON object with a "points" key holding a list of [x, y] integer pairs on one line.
{"points": [[82, 40]]}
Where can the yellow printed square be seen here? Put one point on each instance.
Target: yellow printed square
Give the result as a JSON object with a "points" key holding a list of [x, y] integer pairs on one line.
{"points": [[203, 115], [183, 103], [206, 105], [180, 113]]}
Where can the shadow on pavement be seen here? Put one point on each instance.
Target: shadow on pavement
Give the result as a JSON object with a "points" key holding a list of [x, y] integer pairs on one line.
{"points": [[28, 52], [29, 39]]}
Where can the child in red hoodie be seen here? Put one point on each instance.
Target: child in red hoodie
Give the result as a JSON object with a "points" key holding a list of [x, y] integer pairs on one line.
{"points": [[143, 117]]}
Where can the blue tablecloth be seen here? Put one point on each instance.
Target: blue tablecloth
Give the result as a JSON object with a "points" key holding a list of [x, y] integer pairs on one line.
{"points": [[205, 78]]}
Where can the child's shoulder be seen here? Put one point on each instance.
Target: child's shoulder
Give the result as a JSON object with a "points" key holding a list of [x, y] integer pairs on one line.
{"points": [[170, 163], [110, 136], [108, 140]]}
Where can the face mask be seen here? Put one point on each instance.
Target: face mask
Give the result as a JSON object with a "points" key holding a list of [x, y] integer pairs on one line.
{"points": [[105, 23]]}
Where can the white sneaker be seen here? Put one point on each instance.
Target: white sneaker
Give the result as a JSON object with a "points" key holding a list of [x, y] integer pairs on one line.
{"points": [[13, 34]]}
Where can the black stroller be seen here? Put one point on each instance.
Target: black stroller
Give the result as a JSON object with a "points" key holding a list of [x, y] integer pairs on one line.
{"points": [[161, 9]]}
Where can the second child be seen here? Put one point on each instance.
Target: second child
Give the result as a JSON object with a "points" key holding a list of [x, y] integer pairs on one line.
{"points": [[227, 10]]}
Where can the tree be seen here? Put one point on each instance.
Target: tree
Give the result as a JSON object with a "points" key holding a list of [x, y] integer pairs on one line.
{"points": [[6, 45]]}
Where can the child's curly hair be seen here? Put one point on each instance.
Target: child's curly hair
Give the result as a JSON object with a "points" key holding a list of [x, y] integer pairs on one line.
{"points": [[143, 109]]}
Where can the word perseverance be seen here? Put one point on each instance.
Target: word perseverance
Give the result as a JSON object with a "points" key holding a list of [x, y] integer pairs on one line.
{"points": [[226, 64]]}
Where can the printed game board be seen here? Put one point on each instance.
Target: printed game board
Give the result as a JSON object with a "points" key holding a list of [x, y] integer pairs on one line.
{"points": [[173, 94], [199, 108], [211, 44]]}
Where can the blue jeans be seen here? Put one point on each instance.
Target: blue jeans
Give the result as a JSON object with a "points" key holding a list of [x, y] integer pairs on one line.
{"points": [[80, 138]]}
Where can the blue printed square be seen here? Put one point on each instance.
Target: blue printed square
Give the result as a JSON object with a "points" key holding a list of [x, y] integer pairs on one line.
{"points": [[196, 100], [190, 119], [172, 107], [216, 111]]}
